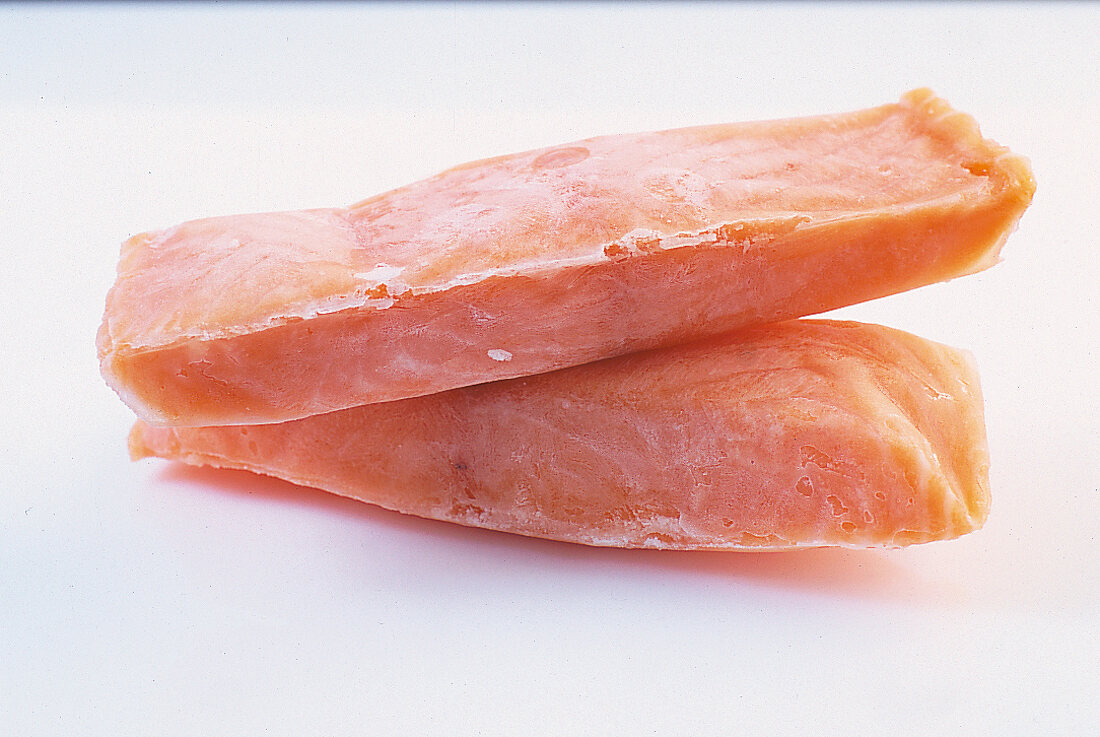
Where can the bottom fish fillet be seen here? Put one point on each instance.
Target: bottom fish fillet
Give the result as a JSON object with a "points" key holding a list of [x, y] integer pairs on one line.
{"points": [[797, 434]]}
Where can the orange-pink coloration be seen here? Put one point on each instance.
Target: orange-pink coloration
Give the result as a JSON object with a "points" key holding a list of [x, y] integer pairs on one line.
{"points": [[554, 257], [802, 433]]}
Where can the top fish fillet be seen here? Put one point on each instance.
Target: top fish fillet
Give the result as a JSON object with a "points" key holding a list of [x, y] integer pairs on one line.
{"points": [[540, 260]]}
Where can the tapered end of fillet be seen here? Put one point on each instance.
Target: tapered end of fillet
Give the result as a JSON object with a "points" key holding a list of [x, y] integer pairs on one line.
{"points": [[138, 446]]}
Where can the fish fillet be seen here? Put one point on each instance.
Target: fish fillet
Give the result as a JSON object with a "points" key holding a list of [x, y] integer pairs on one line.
{"points": [[551, 258], [798, 434]]}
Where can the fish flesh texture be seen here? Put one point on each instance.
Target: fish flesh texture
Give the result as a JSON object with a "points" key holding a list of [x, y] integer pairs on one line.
{"points": [[536, 261], [797, 434]]}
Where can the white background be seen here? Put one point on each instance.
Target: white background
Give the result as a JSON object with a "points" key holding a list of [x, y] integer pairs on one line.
{"points": [[152, 599]]}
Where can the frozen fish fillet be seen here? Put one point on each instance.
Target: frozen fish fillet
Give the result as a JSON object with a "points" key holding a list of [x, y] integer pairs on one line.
{"points": [[798, 434], [540, 260]]}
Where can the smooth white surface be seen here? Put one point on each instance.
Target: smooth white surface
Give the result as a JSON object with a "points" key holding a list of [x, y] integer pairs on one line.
{"points": [[153, 599]]}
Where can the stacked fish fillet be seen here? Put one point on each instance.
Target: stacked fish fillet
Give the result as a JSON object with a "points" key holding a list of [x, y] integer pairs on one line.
{"points": [[597, 342]]}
